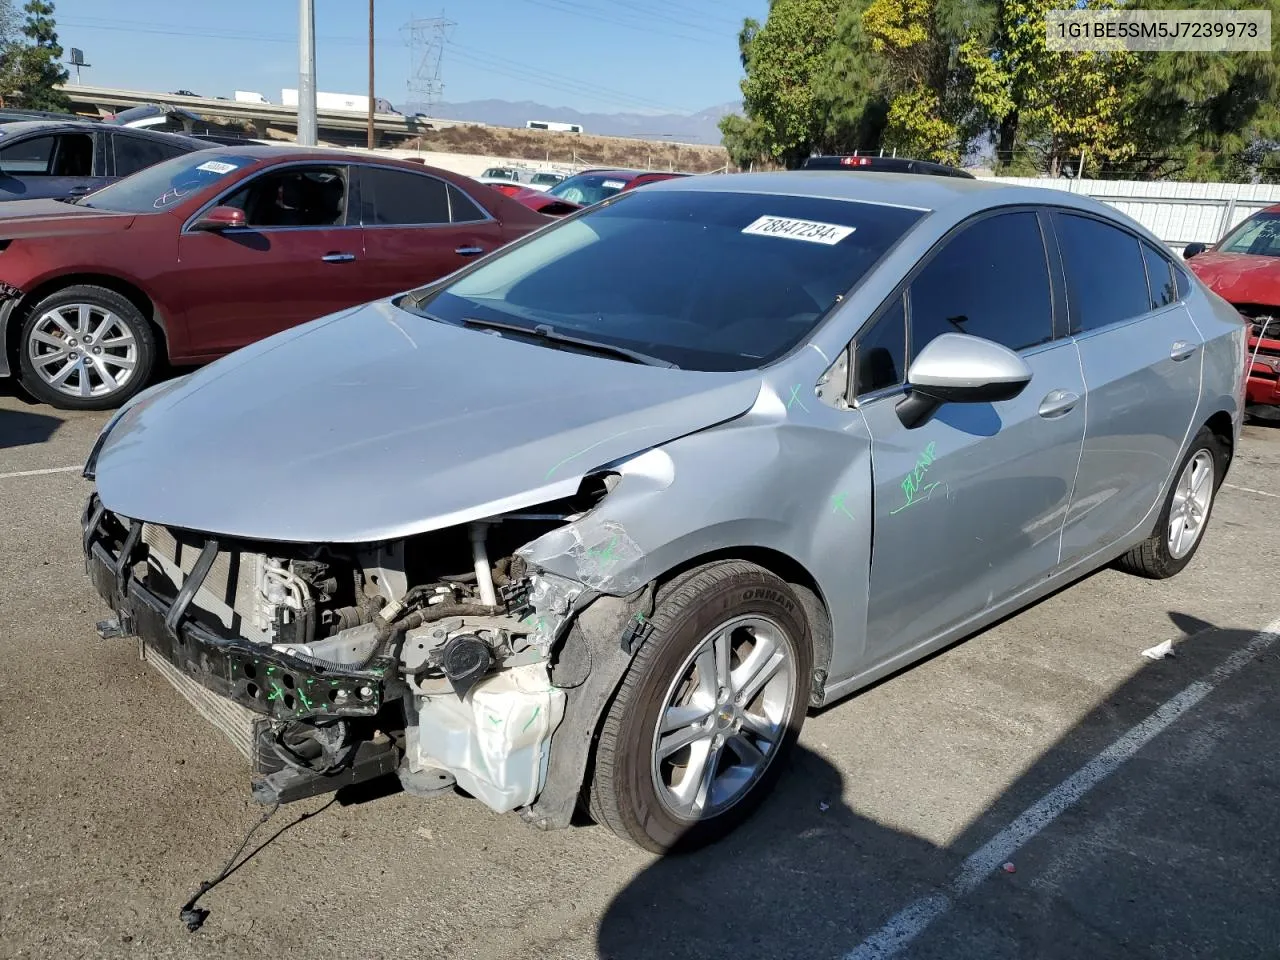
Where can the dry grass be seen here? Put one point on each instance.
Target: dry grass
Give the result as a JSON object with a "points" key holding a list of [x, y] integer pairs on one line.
{"points": [[571, 148]]}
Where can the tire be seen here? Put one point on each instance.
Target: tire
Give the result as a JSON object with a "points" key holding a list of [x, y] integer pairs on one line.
{"points": [[652, 803], [53, 365], [1157, 557]]}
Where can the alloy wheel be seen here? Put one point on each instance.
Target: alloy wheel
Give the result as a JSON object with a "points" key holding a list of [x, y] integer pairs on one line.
{"points": [[1190, 508], [83, 350], [723, 719]]}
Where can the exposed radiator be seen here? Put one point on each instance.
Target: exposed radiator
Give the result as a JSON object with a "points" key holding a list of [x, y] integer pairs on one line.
{"points": [[232, 719]]}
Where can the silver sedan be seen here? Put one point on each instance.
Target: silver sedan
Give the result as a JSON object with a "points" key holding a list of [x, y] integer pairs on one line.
{"points": [[601, 516]]}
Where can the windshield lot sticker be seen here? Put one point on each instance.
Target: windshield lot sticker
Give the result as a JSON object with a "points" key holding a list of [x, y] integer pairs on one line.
{"points": [[811, 230], [612, 184], [915, 493], [217, 166]]}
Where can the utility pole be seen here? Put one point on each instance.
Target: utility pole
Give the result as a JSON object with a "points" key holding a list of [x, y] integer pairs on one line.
{"points": [[371, 133], [306, 73]]}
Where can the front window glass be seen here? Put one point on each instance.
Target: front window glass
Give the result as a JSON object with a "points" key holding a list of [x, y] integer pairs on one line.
{"points": [[707, 281], [588, 188], [1259, 235], [294, 197], [167, 183]]}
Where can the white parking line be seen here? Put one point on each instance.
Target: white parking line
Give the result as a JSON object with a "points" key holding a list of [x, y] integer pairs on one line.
{"points": [[1261, 493], [908, 923], [40, 473]]}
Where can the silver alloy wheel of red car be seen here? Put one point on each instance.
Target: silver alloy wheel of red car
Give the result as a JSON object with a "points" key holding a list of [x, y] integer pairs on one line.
{"points": [[83, 350]]}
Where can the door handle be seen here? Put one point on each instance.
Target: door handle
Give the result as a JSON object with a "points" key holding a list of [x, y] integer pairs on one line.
{"points": [[1057, 403], [338, 257], [1181, 349], [468, 251]]}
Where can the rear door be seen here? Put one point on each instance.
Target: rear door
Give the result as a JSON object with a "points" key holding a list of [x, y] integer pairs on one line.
{"points": [[418, 228], [968, 507], [52, 165], [1141, 355], [298, 258]]}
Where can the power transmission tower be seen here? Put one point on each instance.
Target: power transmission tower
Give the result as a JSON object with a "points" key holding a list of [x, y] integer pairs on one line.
{"points": [[426, 38]]}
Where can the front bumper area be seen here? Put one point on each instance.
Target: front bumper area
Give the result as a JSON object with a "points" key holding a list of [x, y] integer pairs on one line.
{"points": [[255, 676]]}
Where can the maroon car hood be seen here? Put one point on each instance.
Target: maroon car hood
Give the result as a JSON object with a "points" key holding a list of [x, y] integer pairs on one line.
{"points": [[1239, 277], [544, 203], [41, 218]]}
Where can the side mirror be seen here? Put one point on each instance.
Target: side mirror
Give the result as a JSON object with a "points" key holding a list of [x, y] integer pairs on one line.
{"points": [[220, 218], [958, 368], [1192, 250]]}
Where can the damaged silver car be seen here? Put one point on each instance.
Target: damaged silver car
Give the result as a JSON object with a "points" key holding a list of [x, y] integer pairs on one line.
{"points": [[593, 522]]}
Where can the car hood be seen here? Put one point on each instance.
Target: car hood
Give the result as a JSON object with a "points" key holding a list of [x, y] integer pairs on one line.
{"points": [[375, 424], [34, 218], [1239, 277]]}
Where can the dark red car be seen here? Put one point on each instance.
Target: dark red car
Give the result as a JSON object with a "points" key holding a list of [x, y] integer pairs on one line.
{"points": [[585, 188], [207, 252], [1244, 269]]}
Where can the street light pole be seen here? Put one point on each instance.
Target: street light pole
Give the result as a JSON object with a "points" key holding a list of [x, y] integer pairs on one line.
{"points": [[371, 100], [306, 73]]}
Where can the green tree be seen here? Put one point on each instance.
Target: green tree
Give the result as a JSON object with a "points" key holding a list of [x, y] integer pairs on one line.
{"points": [[30, 67], [1058, 104]]}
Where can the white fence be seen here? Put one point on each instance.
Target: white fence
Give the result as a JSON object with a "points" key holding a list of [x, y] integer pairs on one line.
{"points": [[1177, 213]]}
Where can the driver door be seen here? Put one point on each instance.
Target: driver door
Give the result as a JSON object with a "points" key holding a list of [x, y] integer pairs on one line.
{"points": [[298, 257], [969, 505]]}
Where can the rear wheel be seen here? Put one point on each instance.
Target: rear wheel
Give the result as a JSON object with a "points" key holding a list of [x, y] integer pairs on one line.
{"points": [[1185, 515], [85, 348], [712, 702]]}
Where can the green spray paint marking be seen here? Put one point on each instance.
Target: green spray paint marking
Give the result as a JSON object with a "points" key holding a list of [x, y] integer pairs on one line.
{"points": [[496, 721], [587, 449], [531, 719], [279, 692], [837, 505], [604, 555], [795, 398], [911, 488], [303, 697]]}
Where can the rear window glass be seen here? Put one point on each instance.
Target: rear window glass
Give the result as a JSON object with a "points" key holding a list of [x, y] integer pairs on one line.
{"points": [[167, 183], [708, 281]]}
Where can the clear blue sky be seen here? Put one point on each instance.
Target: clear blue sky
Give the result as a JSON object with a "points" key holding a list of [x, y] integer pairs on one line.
{"points": [[592, 55]]}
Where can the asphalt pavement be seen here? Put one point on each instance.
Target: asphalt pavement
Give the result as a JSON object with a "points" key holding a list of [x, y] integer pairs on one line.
{"points": [[1039, 790]]}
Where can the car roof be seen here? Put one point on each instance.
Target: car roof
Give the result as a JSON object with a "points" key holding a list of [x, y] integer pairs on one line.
{"points": [[866, 162], [954, 196], [20, 128]]}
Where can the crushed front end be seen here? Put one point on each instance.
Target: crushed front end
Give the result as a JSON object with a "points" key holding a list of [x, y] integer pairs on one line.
{"points": [[331, 664]]}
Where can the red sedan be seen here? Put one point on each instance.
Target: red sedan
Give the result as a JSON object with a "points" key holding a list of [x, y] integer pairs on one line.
{"points": [[1244, 269], [207, 252]]}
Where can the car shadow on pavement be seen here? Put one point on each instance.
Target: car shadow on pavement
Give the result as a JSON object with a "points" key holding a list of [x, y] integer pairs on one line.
{"points": [[20, 428], [1171, 853]]}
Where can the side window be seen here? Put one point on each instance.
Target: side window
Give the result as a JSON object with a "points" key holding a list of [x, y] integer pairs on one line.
{"points": [[990, 280], [462, 209], [400, 198], [1183, 281], [1106, 277], [1161, 288], [137, 153], [29, 157], [879, 352], [294, 197], [66, 155]]}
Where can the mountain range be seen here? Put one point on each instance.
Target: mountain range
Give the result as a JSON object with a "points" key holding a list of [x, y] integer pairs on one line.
{"points": [[697, 127]]}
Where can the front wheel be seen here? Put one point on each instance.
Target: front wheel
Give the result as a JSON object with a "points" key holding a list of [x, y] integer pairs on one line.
{"points": [[712, 702], [85, 348], [1185, 515]]}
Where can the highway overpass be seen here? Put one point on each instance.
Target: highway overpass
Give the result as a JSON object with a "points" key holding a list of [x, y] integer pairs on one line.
{"points": [[335, 126]]}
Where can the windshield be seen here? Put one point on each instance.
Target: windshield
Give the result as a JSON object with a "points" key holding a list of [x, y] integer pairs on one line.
{"points": [[588, 188], [1259, 235], [548, 178], [704, 280], [166, 183]]}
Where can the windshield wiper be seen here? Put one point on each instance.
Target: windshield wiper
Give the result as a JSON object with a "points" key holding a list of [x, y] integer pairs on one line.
{"points": [[545, 332]]}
